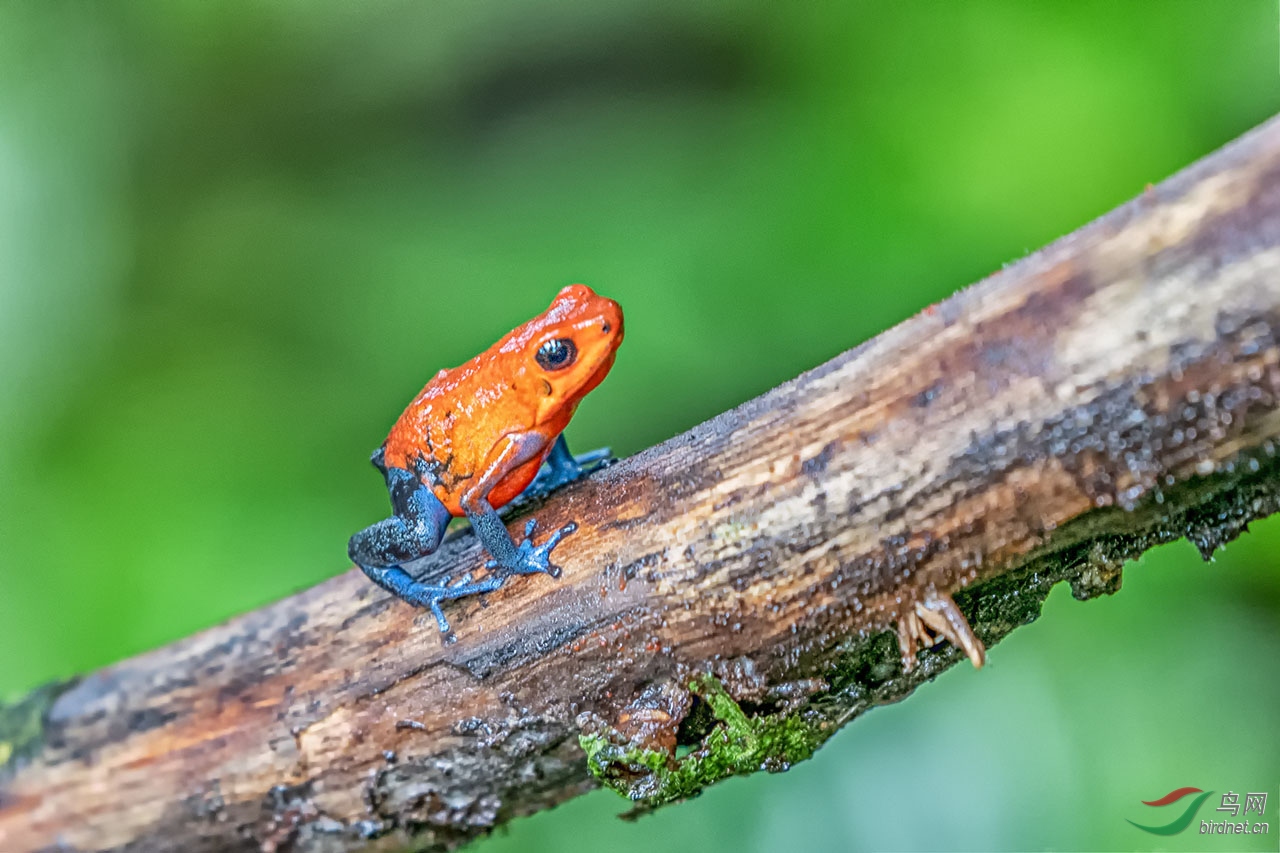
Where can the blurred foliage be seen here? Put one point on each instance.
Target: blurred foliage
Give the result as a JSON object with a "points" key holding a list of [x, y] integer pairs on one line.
{"points": [[235, 238]]}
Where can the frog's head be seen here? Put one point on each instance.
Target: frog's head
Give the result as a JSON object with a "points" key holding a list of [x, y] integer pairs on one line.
{"points": [[569, 348]]}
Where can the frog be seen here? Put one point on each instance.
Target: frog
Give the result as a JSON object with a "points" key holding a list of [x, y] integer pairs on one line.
{"points": [[481, 435]]}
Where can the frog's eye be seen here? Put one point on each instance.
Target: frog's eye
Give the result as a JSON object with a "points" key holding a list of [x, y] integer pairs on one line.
{"points": [[556, 354]]}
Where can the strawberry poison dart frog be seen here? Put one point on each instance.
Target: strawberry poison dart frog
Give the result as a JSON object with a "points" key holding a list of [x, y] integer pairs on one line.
{"points": [[477, 436]]}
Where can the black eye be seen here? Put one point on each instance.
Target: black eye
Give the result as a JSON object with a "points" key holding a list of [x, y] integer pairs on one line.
{"points": [[556, 354]]}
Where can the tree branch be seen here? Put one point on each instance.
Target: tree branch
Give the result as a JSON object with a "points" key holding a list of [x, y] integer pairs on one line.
{"points": [[736, 588]]}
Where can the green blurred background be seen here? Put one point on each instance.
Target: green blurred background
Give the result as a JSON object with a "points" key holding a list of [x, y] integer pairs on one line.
{"points": [[236, 238]]}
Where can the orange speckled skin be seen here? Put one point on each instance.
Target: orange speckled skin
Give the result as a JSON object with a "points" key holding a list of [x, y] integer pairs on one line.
{"points": [[455, 428]]}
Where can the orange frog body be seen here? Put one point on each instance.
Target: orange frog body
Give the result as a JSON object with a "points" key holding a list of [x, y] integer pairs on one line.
{"points": [[477, 436]]}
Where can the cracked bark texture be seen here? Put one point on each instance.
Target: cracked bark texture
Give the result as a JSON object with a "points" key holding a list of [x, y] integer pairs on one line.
{"points": [[1115, 390]]}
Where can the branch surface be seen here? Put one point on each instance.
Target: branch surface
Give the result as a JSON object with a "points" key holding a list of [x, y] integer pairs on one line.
{"points": [[736, 589]]}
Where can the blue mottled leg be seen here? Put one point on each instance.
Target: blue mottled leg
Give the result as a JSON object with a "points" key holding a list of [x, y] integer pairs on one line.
{"points": [[414, 531], [562, 468]]}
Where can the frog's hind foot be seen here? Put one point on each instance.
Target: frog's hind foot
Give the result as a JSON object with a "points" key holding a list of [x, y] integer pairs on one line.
{"points": [[934, 617], [396, 581]]}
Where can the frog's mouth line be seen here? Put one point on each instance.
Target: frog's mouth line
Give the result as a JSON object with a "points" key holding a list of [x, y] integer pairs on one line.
{"points": [[601, 354]]}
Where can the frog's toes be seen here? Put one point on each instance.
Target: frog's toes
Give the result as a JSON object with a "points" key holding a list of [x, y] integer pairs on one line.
{"points": [[536, 559], [552, 541], [441, 622], [594, 460], [934, 616]]}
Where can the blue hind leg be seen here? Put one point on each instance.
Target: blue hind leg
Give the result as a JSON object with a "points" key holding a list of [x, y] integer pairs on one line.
{"points": [[413, 532]]}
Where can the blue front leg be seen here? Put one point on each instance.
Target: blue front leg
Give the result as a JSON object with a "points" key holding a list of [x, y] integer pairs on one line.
{"points": [[510, 558]]}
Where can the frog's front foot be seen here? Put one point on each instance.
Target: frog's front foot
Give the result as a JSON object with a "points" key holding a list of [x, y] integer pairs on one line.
{"points": [[533, 559]]}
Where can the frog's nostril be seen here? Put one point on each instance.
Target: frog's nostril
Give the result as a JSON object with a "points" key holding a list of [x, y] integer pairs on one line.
{"points": [[606, 328]]}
